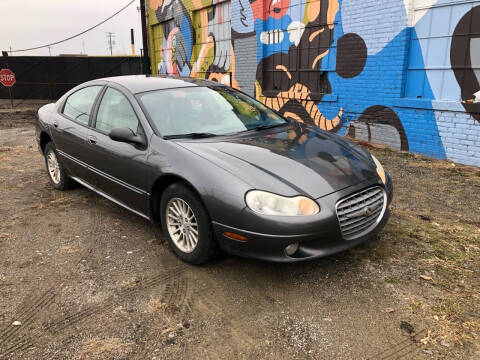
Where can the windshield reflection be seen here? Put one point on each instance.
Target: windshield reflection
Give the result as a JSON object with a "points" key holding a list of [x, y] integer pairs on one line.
{"points": [[207, 110], [315, 151]]}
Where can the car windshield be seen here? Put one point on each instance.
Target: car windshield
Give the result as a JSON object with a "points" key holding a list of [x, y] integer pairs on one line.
{"points": [[206, 111]]}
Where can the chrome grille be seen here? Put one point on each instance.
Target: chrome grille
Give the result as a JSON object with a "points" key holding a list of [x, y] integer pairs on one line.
{"points": [[361, 212]]}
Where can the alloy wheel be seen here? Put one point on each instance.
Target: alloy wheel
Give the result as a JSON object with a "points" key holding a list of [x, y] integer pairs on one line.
{"points": [[182, 225], [53, 167]]}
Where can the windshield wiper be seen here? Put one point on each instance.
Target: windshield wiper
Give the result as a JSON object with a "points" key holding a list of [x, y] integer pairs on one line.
{"points": [[269, 126], [194, 135]]}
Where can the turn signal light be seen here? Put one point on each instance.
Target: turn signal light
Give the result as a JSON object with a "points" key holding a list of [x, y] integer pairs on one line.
{"points": [[235, 236]]}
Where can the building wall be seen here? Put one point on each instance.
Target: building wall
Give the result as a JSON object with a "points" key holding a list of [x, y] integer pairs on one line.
{"points": [[399, 72]]}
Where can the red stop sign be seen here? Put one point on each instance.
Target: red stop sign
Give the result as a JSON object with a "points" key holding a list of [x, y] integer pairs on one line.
{"points": [[7, 77]]}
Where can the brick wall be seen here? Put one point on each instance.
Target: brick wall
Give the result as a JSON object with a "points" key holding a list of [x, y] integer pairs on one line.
{"points": [[387, 71]]}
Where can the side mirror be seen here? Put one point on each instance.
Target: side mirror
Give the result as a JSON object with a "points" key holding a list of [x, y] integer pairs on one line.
{"points": [[126, 135]]}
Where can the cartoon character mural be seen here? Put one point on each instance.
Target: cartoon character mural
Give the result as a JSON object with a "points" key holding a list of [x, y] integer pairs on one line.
{"points": [[244, 43], [178, 36], [316, 61], [465, 59], [292, 75], [289, 76], [445, 36], [353, 47], [218, 30], [210, 33]]}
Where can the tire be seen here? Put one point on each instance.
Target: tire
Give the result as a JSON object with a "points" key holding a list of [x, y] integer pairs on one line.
{"points": [[58, 178], [178, 203]]}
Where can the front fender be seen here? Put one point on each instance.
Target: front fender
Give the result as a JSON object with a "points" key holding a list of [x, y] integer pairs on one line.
{"points": [[221, 191], [42, 123]]}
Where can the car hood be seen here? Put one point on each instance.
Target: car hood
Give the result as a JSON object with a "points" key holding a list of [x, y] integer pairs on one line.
{"points": [[291, 160]]}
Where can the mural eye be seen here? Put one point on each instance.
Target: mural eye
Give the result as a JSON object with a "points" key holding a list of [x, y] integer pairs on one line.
{"points": [[277, 10], [351, 55]]}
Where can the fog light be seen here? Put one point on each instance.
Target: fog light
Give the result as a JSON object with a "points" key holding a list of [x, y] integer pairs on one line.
{"points": [[291, 249]]}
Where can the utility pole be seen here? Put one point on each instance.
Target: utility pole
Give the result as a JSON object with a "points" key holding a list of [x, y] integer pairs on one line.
{"points": [[132, 41], [139, 14], [110, 41], [49, 51], [146, 58]]}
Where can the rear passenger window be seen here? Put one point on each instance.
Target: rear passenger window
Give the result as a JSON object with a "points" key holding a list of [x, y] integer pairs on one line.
{"points": [[115, 111], [79, 105]]}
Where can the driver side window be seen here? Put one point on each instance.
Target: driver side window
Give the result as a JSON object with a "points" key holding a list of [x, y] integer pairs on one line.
{"points": [[115, 111]]}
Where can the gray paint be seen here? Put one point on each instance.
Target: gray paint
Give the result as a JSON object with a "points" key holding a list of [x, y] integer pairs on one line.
{"points": [[291, 160], [246, 60], [379, 134]]}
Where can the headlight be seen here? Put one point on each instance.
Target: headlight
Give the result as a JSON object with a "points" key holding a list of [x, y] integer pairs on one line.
{"points": [[380, 170], [266, 203]]}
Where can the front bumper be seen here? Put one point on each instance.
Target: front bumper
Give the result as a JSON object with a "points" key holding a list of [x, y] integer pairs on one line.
{"points": [[318, 236]]}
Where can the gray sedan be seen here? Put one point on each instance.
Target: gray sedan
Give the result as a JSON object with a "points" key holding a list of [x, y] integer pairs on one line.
{"points": [[216, 168]]}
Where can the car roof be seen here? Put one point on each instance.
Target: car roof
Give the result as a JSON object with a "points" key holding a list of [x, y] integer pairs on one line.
{"points": [[142, 83]]}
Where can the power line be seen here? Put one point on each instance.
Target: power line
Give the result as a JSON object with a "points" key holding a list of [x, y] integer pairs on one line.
{"points": [[77, 35]]}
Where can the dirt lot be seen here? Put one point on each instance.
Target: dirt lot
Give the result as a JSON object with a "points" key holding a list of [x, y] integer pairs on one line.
{"points": [[81, 278]]}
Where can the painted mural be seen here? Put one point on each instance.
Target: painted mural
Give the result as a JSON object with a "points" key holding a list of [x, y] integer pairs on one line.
{"points": [[403, 73], [466, 39]]}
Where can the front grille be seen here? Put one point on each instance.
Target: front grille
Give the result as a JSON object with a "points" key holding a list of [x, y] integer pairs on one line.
{"points": [[360, 213]]}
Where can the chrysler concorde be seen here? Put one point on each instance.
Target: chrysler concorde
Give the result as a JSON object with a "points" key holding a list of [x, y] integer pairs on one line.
{"points": [[217, 169]]}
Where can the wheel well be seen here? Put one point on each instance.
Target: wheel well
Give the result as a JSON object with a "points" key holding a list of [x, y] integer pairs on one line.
{"points": [[159, 187], [44, 140]]}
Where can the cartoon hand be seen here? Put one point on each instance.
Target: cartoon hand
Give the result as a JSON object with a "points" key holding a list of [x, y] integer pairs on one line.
{"points": [[219, 27]]}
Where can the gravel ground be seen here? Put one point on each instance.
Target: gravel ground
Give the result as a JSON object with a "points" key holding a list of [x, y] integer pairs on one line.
{"points": [[82, 278]]}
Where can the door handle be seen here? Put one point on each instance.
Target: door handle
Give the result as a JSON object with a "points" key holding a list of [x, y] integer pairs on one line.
{"points": [[55, 123], [92, 140]]}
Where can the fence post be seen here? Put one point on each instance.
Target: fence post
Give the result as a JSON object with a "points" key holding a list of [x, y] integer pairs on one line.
{"points": [[10, 95]]}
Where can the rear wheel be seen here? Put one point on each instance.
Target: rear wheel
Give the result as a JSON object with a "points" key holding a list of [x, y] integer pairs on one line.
{"points": [[55, 170], [187, 226]]}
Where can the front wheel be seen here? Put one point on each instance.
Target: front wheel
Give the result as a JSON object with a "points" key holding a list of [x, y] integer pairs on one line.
{"points": [[187, 226], [56, 172]]}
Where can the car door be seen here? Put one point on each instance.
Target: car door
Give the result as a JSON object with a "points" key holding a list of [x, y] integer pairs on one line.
{"points": [[70, 129], [119, 169]]}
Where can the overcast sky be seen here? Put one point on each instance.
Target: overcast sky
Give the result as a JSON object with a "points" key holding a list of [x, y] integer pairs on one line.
{"points": [[31, 23]]}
